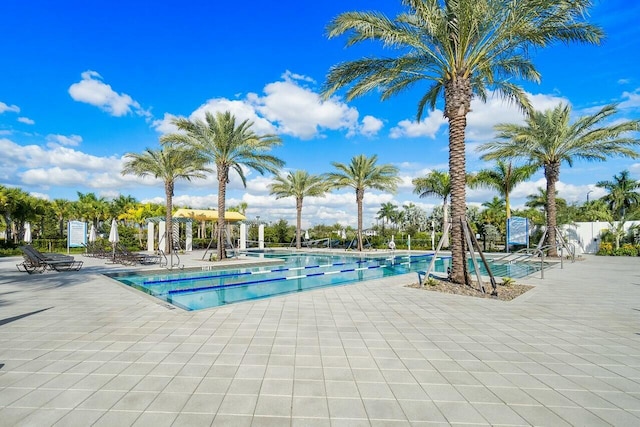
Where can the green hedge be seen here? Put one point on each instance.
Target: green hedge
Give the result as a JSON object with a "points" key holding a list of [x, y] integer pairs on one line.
{"points": [[626, 249]]}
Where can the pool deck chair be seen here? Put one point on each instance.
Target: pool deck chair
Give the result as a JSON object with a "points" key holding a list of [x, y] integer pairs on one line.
{"points": [[37, 262]]}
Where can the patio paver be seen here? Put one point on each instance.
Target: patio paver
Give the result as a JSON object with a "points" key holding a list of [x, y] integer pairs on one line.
{"points": [[78, 348]]}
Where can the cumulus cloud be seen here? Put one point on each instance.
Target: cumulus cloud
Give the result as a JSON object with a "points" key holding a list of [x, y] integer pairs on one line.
{"points": [[165, 125], [484, 116], [26, 120], [45, 177], [300, 111], [57, 165], [11, 108], [631, 100], [92, 90], [71, 140], [370, 126], [428, 126], [289, 106]]}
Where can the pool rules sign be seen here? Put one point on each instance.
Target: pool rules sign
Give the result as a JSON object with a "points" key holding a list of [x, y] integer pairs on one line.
{"points": [[518, 231], [76, 234]]}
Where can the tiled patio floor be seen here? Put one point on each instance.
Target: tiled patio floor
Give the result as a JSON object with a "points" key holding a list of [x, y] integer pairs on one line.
{"points": [[79, 349]]}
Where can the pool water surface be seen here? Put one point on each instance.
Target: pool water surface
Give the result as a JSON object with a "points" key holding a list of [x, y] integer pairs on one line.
{"points": [[196, 290]]}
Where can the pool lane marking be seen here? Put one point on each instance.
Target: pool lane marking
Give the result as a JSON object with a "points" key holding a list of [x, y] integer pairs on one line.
{"points": [[247, 273], [275, 279]]}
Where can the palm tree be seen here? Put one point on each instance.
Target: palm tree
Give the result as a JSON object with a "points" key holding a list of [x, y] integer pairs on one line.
{"points": [[299, 184], [623, 193], [169, 164], [436, 184], [464, 48], [91, 207], [548, 138], [62, 209], [360, 174], [386, 213], [228, 145], [503, 178]]}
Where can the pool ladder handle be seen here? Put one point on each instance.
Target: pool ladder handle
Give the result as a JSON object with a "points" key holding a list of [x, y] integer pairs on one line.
{"points": [[174, 257], [528, 253]]}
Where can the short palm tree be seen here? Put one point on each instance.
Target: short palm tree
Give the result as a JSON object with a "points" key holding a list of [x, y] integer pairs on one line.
{"points": [[463, 48], [503, 178], [623, 193], [386, 213], [230, 146], [436, 184], [168, 164], [298, 184], [360, 174], [548, 138]]}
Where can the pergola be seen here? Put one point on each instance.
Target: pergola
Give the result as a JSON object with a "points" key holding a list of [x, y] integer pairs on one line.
{"points": [[187, 216]]}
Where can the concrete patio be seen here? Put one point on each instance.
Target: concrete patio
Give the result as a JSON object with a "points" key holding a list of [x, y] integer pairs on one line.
{"points": [[77, 348]]}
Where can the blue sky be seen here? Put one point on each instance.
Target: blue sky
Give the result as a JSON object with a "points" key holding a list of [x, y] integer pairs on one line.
{"points": [[82, 84]]}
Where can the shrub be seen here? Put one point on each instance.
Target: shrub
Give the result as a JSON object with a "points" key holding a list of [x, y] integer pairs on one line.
{"points": [[606, 248], [626, 250], [431, 281], [508, 281]]}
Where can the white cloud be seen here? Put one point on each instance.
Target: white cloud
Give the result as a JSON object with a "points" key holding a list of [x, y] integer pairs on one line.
{"points": [[428, 126], [288, 107], [92, 90], [26, 120], [370, 125], [165, 125], [11, 108], [53, 176], [299, 111], [71, 140], [631, 99], [41, 196], [484, 116]]}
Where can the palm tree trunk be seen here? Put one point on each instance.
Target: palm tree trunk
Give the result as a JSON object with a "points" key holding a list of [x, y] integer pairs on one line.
{"points": [[298, 221], [507, 204], [222, 192], [168, 232], [551, 173], [458, 95], [359, 199], [445, 222]]}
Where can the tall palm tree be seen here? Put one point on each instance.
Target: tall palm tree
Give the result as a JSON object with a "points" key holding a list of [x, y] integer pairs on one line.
{"points": [[298, 184], [623, 193], [230, 146], [169, 164], [436, 184], [464, 48], [548, 138], [360, 174], [503, 178]]}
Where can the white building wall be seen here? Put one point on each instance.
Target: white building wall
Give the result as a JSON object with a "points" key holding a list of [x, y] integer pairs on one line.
{"points": [[586, 235]]}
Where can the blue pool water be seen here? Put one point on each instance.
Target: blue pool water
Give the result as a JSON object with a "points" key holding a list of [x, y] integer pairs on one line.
{"points": [[195, 290]]}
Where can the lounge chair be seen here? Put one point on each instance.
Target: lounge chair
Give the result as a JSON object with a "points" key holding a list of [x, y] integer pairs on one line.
{"points": [[37, 262], [125, 256]]}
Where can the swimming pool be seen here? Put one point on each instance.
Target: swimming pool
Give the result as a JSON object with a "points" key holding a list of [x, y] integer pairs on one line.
{"points": [[196, 290]]}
